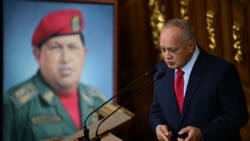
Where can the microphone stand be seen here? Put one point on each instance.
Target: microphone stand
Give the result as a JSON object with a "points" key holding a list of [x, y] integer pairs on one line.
{"points": [[159, 76], [86, 130]]}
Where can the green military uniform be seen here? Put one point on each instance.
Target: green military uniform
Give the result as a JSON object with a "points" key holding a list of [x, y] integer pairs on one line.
{"points": [[32, 112]]}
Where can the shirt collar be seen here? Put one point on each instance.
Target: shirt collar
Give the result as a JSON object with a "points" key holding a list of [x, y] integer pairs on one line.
{"points": [[188, 67]]}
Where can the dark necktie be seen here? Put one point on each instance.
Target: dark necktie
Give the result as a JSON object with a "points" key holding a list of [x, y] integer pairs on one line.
{"points": [[179, 89]]}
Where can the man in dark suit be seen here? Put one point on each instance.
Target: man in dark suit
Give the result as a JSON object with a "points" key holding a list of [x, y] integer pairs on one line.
{"points": [[212, 105]]}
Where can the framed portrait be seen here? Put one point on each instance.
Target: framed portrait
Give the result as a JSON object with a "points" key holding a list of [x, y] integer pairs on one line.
{"points": [[20, 19]]}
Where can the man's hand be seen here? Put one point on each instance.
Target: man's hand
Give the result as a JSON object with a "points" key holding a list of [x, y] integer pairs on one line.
{"points": [[163, 133], [194, 134]]}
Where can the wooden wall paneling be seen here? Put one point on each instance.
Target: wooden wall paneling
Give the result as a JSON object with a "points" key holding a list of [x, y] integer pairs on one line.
{"points": [[247, 31], [225, 22], [169, 8], [198, 20], [213, 26], [247, 84], [193, 11], [125, 42], [158, 15], [146, 56], [240, 51], [176, 9], [248, 47], [239, 47], [134, 41], [138, 57]]}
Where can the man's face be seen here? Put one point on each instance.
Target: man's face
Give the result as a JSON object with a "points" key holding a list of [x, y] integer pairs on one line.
{"points": [[61, 61], [175, 51]]}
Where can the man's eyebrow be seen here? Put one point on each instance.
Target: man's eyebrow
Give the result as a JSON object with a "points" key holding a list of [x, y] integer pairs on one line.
{"points": [[171, 47]]}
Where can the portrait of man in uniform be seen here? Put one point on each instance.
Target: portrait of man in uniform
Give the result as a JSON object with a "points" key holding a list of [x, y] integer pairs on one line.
{"points": [[20, 19], [58, 67]]}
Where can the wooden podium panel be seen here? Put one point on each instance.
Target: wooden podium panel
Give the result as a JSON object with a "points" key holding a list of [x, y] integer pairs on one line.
{"points": [[110, 137], [119, 121]]}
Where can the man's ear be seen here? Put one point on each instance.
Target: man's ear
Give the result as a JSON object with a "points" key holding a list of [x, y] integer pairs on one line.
{"points": [[36, 53], [192, 45]]}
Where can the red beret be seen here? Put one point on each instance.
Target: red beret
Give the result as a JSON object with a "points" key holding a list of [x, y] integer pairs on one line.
{"points": [[58, 23]]}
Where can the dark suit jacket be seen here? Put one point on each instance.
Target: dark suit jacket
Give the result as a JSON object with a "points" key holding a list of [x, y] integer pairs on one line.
{"points": [[214, 100]]}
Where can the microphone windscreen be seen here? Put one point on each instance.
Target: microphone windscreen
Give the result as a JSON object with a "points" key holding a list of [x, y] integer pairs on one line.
{"points": [[151, 72], [159, 76]]}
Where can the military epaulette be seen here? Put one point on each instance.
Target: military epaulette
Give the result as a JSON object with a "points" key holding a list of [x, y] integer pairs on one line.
{"points": [[95, 93], [24, 94], [87, 98]]}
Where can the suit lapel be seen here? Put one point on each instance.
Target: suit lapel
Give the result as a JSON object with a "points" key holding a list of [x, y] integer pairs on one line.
{"points": [[168, 92], [194, 81]]}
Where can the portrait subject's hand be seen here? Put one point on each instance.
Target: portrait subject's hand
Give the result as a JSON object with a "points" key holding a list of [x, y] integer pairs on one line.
{"points": [[194, 134], [163, 133]]}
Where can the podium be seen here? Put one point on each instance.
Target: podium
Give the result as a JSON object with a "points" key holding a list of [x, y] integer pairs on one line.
{"points": [[118, 123]]}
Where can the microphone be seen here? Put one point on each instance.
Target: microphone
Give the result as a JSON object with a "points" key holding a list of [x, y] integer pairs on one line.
{"points": [[86, 130], [159, 76]]}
